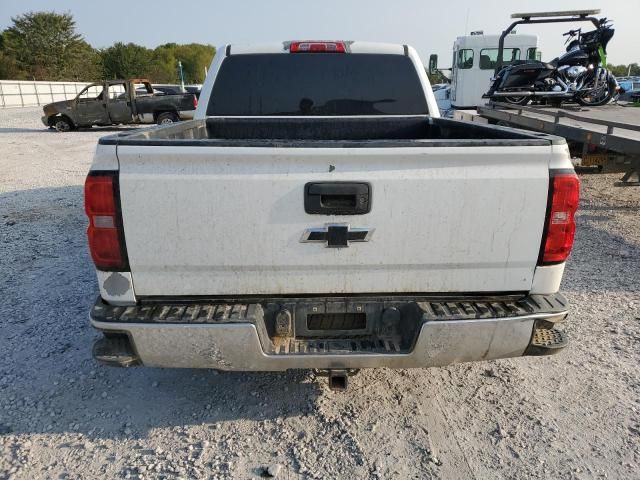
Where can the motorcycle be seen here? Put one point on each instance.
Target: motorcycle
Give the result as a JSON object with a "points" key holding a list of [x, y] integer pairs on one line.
{"points": [[579, 75]]}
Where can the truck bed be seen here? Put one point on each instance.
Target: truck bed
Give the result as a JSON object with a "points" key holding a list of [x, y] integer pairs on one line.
{"points": [[328, 132], [149, 104]]}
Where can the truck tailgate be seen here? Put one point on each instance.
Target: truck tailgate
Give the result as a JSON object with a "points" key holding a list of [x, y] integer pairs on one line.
{"points": [[207, 220]]}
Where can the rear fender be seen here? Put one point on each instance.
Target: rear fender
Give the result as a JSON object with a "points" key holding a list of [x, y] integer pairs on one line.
{"points": [[498, 80]]}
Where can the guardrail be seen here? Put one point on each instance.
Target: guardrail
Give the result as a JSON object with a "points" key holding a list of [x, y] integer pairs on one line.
{"points": [[24, 93]]}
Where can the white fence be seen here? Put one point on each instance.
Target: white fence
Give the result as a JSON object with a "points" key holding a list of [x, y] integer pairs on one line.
{"points": [[22, 93]]}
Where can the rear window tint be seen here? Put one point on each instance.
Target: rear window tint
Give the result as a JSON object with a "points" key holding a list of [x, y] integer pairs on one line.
{"points": [[317, 84]]}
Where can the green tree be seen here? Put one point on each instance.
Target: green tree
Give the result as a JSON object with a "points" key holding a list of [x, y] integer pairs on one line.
{"points": [[126, 61], [617, 70], [164, 67], [195, 58], [83, 64], [624, 70], [45, 46], [8, 66]]}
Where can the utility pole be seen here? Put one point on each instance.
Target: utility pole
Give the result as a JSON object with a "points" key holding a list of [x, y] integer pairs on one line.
{"points": [[181, 75]]}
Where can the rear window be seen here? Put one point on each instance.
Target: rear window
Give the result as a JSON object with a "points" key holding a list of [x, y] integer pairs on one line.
{"points": [[317, 84]]}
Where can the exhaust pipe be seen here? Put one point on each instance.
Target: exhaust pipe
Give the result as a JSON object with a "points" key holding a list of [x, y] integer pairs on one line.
{"points": [[531, 94], [564, 93]]}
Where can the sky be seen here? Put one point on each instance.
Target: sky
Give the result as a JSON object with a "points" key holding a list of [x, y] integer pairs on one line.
{"points": [[429, 26]]}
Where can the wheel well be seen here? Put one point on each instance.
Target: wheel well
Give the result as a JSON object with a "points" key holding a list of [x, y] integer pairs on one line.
{"points": [[52, 119], [157, 113]]}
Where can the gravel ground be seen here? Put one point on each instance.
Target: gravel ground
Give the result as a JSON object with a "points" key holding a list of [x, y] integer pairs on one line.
{"points": [[574, 415]]}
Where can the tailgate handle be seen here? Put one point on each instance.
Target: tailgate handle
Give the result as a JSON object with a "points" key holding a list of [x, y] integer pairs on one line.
{"points": [[337, 198]]}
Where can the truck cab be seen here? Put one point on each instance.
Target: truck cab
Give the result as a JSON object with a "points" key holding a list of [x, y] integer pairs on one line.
{"points": [[474, 61]]}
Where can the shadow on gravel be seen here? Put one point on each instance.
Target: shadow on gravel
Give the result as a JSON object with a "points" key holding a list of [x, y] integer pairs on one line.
{"points": [[26, 130], [49, 382], [114, 128], [121, 128]]}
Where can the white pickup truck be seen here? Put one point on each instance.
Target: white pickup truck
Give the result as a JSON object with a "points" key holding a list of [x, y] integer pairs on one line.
{"points": [[317, 213]]}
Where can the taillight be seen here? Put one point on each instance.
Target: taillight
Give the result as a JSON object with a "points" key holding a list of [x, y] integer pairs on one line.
{"points": [[560, 228], [195, 102], [313, 47], [105, 233]]}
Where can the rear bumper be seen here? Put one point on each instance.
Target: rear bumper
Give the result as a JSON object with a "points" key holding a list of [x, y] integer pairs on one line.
{"points": [[186, 114], [183, 335]]}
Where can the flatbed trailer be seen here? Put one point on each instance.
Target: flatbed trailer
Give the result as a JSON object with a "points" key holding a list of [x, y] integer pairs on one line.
{"points": [[613, 128]]}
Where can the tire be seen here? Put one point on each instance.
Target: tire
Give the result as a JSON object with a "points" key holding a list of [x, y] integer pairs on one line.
{"points": [[62, 124], [598, 103], [603, 100], [517, 100], [167, 118]]}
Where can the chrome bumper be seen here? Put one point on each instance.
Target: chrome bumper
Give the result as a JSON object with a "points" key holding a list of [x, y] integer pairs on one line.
{"points": [[237, 345]]}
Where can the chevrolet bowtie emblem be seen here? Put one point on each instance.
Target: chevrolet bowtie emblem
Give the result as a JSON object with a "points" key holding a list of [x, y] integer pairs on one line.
{"points": [[337, 235]]}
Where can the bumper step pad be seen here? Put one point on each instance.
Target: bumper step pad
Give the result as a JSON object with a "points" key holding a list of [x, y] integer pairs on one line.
{"points": [[115, 350], [546, 341], [229, 312]]}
